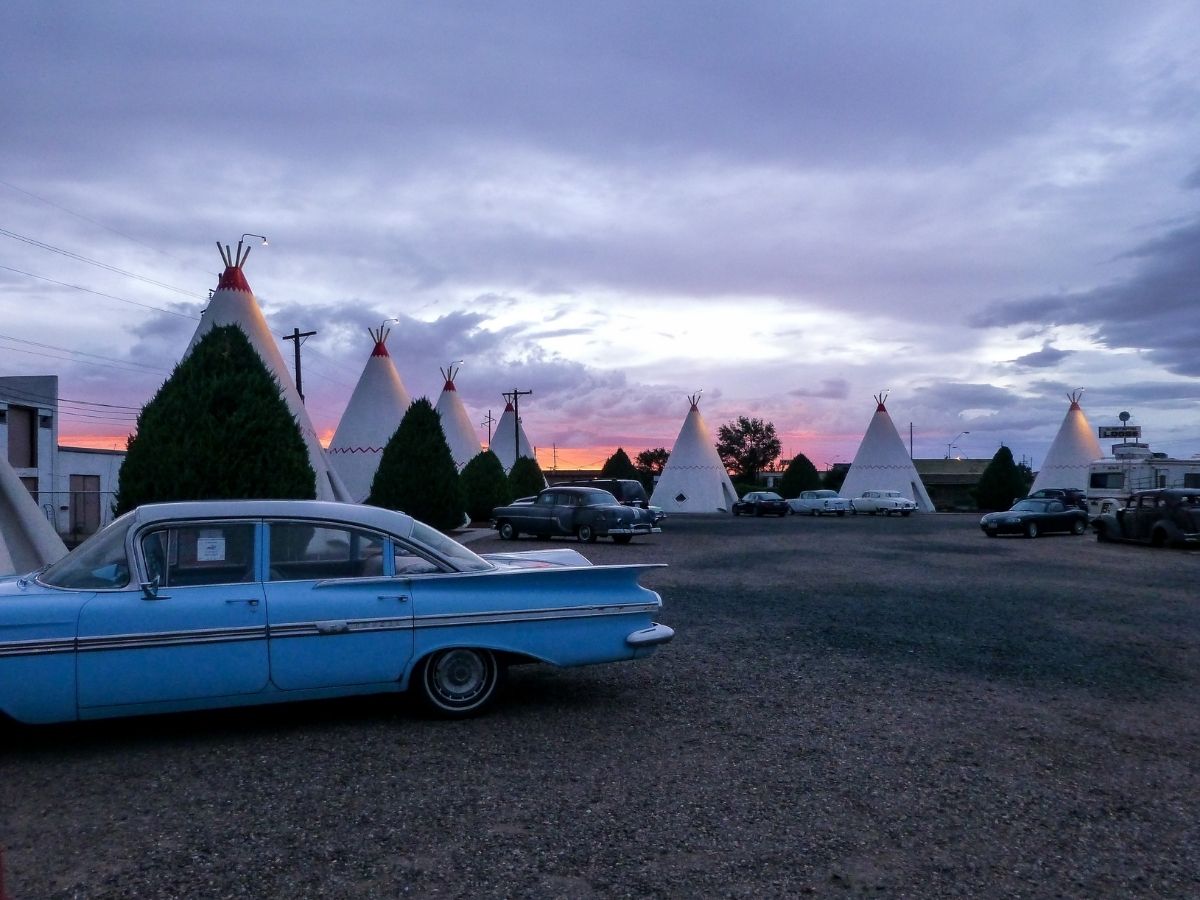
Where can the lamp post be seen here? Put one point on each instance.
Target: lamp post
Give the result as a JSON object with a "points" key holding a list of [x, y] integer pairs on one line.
{"points": [[950, 446]]}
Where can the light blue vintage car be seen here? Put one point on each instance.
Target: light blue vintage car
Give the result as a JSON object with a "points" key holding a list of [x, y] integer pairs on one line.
{"points": [[181, 606]]}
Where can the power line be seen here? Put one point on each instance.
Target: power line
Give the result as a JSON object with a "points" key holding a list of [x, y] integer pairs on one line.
{"points": [[169, 312], [33, 242], [112, 364], [84, 218], [26, 395]]}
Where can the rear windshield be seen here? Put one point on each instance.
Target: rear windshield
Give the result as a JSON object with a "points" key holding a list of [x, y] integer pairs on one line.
{"points": [[449, 549]]}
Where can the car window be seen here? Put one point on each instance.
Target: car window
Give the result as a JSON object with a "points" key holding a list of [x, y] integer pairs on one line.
{"points": [[410, 562], [443, 547], [1054, 506], [304, 551], [546, 498], [200, 554], [99, 563]]}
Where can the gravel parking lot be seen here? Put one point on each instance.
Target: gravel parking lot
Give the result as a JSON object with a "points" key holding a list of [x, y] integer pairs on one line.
{"points": [[900, 707]]}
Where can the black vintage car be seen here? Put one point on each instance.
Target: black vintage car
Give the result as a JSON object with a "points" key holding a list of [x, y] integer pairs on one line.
{"points": [[1032, 517], [580, 512], [1163, 517], [761, 503]]}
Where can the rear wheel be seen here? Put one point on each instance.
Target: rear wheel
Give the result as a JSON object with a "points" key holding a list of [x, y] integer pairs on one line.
{"points": [[507, 531], [1078, 527], [459, 682], [622, 538], [1031, 530], [1158, 538], [586, 534]]}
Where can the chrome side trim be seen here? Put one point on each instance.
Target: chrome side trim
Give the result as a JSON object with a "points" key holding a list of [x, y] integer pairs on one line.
{"points": [[533, 615], [170, 638], [314, 629], [37, 648], [339, 626]]}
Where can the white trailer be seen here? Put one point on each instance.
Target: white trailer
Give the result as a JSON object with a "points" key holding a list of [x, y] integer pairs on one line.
{"points": [[1133, 467]]}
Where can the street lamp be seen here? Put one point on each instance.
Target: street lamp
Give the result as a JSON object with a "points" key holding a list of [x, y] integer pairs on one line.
{"points": [[259, 236], [950, 446]]}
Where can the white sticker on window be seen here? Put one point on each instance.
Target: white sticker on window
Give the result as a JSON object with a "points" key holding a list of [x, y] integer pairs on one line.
{"points": [[210, 546]]}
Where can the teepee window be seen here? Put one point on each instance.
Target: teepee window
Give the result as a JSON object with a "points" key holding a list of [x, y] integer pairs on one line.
{"points": [[681, 498]]}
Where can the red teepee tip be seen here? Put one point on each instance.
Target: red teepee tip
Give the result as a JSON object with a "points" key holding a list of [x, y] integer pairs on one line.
{"points": [[508, 407], [449, 386], [380, 349], [881, 408], [232, 279]]}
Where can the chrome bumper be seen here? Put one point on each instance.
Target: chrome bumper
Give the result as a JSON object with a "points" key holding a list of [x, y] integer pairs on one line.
{"points": [[648, 637], [637, 529]]}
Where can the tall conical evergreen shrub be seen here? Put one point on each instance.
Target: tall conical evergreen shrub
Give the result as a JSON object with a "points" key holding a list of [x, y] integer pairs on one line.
{"points": [[800, 475], [485, 485], [218, 429], [526, 477], [1001, 482], [619, 465], [417, 474]]}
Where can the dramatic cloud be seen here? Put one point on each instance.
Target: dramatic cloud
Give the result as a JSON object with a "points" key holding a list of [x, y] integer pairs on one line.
{"points": [[616, 205]]}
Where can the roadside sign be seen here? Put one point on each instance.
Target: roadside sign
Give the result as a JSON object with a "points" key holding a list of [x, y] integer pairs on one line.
{"points": [[1121, 431]]}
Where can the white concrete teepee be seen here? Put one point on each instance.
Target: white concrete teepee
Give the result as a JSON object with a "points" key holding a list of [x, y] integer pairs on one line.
{"points": [[372, 416], [508, 440], [883, 463], [27, 539], [1074, 448], [694, 479], [233, 303], [456, 424]]}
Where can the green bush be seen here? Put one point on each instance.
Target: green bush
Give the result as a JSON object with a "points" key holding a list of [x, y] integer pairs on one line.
{"points": [[526, 477], [485, 486], [417, 474], [218, 429], [800, 475], [1001, 482], [619, 465]]}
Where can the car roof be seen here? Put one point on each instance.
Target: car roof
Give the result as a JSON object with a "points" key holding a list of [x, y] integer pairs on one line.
{"points": [[577, 489], [352, 513]]}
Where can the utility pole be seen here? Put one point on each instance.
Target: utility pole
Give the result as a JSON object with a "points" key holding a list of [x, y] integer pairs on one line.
{"points": [[298, 337], [515, 399], [489, 422]]}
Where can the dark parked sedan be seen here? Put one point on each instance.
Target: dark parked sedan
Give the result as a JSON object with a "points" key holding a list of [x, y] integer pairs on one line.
{"points": [[1034, 517], [761, 503], [1168, 516], [584, 513]]}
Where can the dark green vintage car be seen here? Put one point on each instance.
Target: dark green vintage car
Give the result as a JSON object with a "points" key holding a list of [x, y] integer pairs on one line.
{"points": [[579, 512]]}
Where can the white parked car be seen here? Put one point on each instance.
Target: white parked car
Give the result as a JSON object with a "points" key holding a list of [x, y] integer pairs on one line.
{"points": [[885, 502], [819, 503]]}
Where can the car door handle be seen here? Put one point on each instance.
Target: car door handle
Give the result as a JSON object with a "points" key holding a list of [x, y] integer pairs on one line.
{"points": [[251, 601], [400, 598]]}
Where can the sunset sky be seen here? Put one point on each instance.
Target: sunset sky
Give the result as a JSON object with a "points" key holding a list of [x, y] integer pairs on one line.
{"points": [[792, 206]]}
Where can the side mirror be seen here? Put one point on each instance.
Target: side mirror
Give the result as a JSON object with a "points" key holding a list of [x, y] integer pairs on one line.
{"points": [[150, 588]]}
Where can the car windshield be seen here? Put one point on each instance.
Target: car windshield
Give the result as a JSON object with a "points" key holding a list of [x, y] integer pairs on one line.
{"points": [[449, 549], [1030, 506], [99, 563], [768, 495]]}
